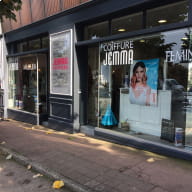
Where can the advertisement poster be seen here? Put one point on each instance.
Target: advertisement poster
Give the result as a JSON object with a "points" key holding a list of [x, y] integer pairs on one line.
{"points": [[144, 82], [61, 63]]}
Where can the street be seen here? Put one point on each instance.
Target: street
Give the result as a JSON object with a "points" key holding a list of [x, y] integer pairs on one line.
{"points": [[17, 178], [86, 164]]}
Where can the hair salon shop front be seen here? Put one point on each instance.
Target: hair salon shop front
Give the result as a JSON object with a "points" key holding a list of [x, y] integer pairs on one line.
{"points": [[93, 78]]}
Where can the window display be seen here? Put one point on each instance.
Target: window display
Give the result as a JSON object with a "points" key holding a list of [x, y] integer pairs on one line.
{"points": [[24, 92], [145, 81]]}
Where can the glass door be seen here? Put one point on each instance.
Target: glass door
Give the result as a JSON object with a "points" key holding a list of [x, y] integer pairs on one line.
{"points": [[27, 82], [42, 87], [93, 67]]}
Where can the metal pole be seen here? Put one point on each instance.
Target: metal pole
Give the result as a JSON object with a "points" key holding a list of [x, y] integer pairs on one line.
{"points": [[37, 105]]}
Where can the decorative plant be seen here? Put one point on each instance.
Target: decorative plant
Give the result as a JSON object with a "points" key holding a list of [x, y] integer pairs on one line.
{"points": [[8, 8]]}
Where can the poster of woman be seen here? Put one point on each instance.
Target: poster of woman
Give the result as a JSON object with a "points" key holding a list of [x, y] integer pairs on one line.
{"points": [[143, 82]]}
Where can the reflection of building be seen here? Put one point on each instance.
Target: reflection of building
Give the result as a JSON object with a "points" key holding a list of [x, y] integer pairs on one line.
{"points": [[190, 76], [64, 43]]}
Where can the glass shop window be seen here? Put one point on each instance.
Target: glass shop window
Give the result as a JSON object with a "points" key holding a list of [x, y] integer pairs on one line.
{"points": [[97, 30], [127, 23], [23, 83], [34, 44], [22, 46], [45, 42], [173, 13], [145, 85]]}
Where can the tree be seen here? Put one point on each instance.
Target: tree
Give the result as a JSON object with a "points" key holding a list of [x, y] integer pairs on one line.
{"points": [[8, 8]]}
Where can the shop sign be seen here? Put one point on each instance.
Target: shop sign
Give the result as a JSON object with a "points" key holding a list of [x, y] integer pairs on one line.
{"points": [[31, 66], [117, 53], [61, 63], [178, 56]]}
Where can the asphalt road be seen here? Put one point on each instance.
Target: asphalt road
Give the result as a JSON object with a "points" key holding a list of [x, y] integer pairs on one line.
{"points": [[17, 178]]}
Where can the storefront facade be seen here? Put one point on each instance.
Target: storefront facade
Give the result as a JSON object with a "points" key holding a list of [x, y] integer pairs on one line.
{"points": [[139, 77], [27, 72], [123, 73]]}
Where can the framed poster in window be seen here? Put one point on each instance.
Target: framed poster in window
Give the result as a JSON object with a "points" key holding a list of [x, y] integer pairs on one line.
{"points": [[61, 63]]}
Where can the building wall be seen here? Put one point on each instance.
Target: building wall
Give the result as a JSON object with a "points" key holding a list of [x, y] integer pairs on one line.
{"points": [[35, 10], [3, 72]]}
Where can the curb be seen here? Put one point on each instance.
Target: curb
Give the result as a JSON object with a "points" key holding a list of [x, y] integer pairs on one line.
{"points": [[69, 184]]}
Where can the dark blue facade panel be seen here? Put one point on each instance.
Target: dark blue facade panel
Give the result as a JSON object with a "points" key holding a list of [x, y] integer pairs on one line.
{"points": [[61, 110], [22, 116]]}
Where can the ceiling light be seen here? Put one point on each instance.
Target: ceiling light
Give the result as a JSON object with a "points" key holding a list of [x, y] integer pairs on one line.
{"points": [[121, 30], [162, 21], [142, 41]]}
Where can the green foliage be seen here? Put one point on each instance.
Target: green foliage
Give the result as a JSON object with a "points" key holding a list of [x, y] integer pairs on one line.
{"points": [[8, 8]]}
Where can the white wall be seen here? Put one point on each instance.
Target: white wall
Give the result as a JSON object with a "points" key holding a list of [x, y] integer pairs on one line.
{"points": [[3, 70], [146, 119]]}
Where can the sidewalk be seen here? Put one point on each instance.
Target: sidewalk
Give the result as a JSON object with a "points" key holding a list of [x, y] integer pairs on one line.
{"points": [[88, 164]]}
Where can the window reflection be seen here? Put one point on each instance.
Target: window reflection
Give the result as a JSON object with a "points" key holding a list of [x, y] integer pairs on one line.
{"points": [[23, 46], [170, 13], [177, 12], [34, 44], [97, 30], [127, 23]]}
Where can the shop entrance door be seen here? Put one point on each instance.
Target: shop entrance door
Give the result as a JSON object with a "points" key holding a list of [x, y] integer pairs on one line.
{"points": [[28, 85], [92, 79], [42, 88]]}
